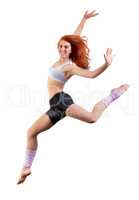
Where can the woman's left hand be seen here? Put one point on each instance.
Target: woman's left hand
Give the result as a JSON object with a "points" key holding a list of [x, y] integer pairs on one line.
{"points": [[91, 14], [108, 56]]}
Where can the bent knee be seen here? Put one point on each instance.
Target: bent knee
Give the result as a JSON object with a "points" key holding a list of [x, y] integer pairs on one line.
{"points": [[92, 120], [31, 132]]}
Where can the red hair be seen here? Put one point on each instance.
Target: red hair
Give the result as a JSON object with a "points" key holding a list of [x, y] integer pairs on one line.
{"points": [[79, 50]]}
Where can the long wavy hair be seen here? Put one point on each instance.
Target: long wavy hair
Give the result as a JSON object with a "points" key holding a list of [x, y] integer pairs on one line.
{"points": [[79, 50]]}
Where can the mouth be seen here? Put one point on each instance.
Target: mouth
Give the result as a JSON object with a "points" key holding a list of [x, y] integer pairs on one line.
{"points": [[63, 53]]}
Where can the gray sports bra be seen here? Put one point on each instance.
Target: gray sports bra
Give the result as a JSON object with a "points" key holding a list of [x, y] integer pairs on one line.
{"points": [[57, 73]]}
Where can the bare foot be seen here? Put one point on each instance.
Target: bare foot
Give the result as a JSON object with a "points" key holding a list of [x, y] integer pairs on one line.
{"points": [[117, 92], [24, 173]]}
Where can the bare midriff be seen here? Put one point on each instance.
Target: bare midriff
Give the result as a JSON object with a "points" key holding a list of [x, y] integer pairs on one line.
{"points": [[54, 87]]}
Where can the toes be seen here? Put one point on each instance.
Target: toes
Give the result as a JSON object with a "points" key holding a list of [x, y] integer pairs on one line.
{"points": [[127, 86], [24, 176], [20, 181], [124, 87]]}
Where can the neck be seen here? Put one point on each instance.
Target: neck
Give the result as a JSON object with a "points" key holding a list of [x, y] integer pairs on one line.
{"points": [[63, 60]]}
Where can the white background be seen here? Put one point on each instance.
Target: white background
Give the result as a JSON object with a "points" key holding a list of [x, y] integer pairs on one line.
{"points": [[75, 160]]}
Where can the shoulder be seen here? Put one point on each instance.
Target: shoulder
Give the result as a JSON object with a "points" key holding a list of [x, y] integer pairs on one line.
{"points": [[55, 64], [76, 70], [69, 67]]}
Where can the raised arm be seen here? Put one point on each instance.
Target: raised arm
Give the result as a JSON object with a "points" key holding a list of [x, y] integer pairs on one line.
{"points": [[76, 70], [86, 16]]}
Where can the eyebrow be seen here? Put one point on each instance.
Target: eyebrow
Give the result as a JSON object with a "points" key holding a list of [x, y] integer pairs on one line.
{"points": [[66, 45], [63, 45]]}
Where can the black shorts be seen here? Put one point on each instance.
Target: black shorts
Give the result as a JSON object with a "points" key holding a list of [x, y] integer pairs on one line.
{"points": [[58, 105]]}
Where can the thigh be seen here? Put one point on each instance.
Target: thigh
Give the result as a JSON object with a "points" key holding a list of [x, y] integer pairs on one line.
{"points": [[41, 124], [78, 112]]}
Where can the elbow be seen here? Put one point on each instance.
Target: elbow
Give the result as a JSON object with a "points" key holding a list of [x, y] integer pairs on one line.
{"points": [[92, 75]]}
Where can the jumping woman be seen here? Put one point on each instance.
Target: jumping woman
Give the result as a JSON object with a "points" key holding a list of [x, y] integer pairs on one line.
{"points": [[73, 60]]}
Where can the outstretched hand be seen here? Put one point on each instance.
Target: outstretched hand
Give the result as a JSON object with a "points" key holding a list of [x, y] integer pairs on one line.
{"points": [[108, 56], [91, 14]]}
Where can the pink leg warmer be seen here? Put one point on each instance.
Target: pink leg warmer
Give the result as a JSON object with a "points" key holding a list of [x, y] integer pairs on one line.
{"points": [[29, 157], [115, 94]]}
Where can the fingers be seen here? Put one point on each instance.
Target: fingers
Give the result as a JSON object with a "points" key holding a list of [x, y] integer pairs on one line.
{"points": [[108, 56], [108, 51], [85, 12], [91, 14], [95, 14]]}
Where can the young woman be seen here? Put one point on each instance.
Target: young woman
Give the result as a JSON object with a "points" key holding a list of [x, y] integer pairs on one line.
{"points": [[73, 60]]}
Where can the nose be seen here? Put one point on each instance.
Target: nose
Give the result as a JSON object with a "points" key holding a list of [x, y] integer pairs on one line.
{"points": [[62, 49]]}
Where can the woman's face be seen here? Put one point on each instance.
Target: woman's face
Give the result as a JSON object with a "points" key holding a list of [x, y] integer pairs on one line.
{"points": [[64, 49]]}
